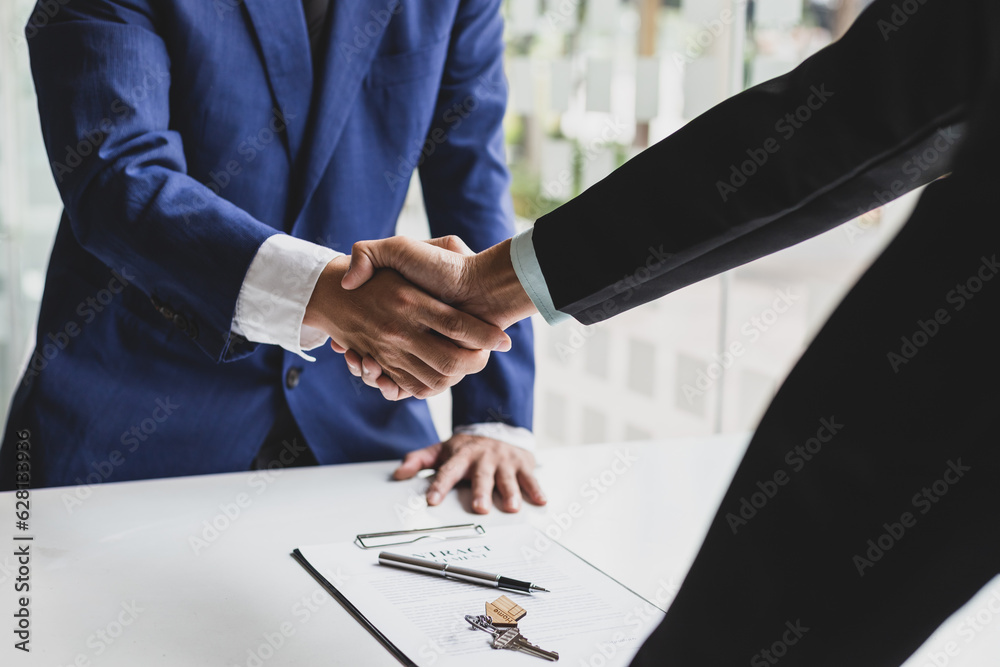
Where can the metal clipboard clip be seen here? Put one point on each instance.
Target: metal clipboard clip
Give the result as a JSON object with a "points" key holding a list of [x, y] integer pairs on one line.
{"points": [[391, 538]]}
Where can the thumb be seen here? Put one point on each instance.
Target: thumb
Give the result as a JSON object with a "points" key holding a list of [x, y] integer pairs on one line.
{"points": [[427, 265], [360, 271], [367, 256]]}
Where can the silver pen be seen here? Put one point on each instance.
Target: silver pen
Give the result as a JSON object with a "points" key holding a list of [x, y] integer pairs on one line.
{"points": [[455, 572]]}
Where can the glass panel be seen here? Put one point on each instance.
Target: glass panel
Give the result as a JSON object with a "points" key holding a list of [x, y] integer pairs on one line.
{"points": [[29, 203]]}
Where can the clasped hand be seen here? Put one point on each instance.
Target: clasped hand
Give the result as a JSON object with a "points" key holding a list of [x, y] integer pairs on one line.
{"points": [[422, 344], [483, 285]]}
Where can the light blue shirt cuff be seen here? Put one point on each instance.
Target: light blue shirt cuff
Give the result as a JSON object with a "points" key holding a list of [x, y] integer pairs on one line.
{"points": [[522, 256]]}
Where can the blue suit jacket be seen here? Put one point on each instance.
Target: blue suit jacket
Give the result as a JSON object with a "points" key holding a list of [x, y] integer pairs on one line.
{"points": [[182, 135]]}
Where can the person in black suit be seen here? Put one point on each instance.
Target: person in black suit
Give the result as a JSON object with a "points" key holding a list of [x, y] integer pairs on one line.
{"points": [[863, 513]]}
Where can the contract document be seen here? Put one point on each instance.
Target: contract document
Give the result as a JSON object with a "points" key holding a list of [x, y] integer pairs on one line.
{"points": [[587, 617]]}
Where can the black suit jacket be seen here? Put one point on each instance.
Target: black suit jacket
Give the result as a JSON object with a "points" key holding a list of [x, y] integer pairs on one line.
{"points": [[713, 196], [889, 525]]}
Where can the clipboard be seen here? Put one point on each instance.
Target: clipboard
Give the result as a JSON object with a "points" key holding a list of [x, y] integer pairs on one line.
{"points": [[381, 602]]}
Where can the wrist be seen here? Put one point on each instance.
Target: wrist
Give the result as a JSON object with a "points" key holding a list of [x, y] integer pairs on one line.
{"points": [[327, 290], [493, 273]]}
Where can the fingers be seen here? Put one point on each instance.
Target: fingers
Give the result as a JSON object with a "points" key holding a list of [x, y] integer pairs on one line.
{"points": [[370, 371], [420, 361], [371, 374], [448, 475], [489, 464], [439, 364], [530, 486], [483, 474], [354, 361], [466, 330], [410, 376], [417, 460], [390, 390], [510, 492], [397, 383]]}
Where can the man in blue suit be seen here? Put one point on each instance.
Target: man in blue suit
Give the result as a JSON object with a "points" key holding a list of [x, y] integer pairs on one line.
{"points": [[212, 159]]}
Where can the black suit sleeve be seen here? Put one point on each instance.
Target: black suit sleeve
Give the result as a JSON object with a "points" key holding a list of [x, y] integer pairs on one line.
{"points": [[861, 122]]}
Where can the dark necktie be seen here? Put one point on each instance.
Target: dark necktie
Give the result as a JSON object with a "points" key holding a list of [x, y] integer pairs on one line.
{"points": [[316, 11]]}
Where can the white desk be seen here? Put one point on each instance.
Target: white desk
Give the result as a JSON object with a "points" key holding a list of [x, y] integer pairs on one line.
{"points": [[118, 581]]}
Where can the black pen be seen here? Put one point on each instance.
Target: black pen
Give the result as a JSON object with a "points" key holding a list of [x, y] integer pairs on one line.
{"points": [[459, 573]]}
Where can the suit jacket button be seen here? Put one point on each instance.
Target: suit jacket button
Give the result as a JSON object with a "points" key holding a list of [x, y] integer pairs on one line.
{"points": [[292, 377], [180, 322]]}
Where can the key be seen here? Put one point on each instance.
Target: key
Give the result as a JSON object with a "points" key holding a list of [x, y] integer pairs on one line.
{"points": [[509, 638], [513, 640]]}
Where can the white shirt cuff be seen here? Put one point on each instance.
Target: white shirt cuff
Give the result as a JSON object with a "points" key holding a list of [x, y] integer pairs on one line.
{"points": [[512, 435], [276, 291], [522, 256]]}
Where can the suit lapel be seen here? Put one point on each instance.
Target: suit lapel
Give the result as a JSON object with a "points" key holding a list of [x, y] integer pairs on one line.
{"points": [[349, 49], [281, 32]]}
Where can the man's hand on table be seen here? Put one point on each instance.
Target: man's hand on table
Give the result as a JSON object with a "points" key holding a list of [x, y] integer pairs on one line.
{"points": [[486, 462]]}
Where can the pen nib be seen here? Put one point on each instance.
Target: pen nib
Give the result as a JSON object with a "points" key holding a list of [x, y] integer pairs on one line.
{"points": [[539, 588]]}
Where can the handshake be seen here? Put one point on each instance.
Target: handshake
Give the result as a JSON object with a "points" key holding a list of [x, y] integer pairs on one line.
{"points": [[420, 328]]}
